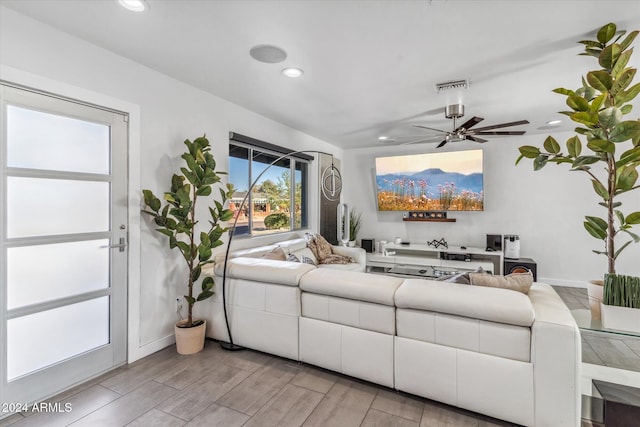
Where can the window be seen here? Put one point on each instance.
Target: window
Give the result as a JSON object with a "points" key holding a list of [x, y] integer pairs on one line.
{"points": [[278, 199]]}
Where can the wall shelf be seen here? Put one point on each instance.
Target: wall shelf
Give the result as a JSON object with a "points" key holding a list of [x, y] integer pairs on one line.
{"points": [[429, 219]]}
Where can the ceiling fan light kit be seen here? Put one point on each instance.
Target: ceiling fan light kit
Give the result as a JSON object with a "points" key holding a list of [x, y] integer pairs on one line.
{"points": [[451, 85]]}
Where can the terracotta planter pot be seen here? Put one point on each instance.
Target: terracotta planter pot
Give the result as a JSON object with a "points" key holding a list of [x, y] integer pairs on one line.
{"points": [[594, 290], [190, 340]]}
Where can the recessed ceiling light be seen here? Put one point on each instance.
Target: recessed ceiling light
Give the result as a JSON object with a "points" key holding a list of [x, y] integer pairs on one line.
{"points": [[134, 5], [554, 122], [268, 54], [292, 72], [383, 138]]}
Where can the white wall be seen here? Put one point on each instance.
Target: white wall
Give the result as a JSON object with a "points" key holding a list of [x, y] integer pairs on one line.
{"points": [[546, 208], [170, 111]]}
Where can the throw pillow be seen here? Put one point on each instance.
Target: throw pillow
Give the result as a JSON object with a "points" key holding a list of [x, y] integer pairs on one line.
{"points": [[520, 282], [293, 258], [276, 254], [320, 247], [307, 260]]}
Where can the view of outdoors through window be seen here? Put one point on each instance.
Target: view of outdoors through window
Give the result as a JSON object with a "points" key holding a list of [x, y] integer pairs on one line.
{"points": [[275, 200]]}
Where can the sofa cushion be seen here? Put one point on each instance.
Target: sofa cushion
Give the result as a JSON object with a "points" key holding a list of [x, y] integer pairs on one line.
{"points": [[351, 284], [265, 270], [305, 252], [493, 304], [276, 254], [520, 282], [352, 266]]}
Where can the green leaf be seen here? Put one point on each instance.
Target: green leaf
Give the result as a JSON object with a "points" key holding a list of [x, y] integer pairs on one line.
{"points": [[577, 103], [204, 295], [195, 274], [600, 80], [606, 205], [630, 156], [584, 160], [165, 232], [207, 283], [609, 56], [630, 94], [190, 300], [615, 255], [540, 162], [591, 52], [173, 242], [204, 191], [627, 178], [606, 33], [591, 43], [634, 236], [151, 200], [626, 109], [204, 239], [609, 117], [601, 146], [529, 151], [594, 231], [625, 130], [584, 117], [625, 80], [184, 247], [192, 177], [563, 91], [622, 62], [600, 189], [177, 181], [629, 39], [226, 215], [191, 162], [204, 253], [620, 216], [633, 218], [551, 145], [598, 222], [574, 146], [597, 103]]}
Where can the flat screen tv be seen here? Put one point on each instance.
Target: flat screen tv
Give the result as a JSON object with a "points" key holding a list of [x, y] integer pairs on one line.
{"points": [[449, 181]]}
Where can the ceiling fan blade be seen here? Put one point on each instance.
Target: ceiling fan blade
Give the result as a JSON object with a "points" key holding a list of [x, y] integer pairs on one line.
{"points": [[419, 140], [475, 138], [442, 143], [502, 125], [469, 123], [428, 128], [505, 132]]}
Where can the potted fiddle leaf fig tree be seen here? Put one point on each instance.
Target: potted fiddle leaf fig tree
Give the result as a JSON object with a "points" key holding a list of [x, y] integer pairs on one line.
{"points": [[610, 159], [177, 221]]}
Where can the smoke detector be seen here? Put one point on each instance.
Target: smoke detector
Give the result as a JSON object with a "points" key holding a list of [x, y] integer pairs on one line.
{"points": [[455, 84]]}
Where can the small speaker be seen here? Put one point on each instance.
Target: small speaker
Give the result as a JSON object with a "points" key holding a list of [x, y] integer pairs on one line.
{"points": [[521, 265], [494, 242], [368, 245]]}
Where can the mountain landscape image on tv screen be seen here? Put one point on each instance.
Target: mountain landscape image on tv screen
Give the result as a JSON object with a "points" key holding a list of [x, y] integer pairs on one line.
{"points": [[450, 181]]}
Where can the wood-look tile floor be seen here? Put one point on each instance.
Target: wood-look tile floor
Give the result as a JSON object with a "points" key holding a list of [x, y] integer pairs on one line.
{"points": [[246, 388]]}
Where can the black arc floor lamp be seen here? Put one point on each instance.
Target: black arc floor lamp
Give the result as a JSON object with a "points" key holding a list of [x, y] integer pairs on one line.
{"points": [[331, 186]]}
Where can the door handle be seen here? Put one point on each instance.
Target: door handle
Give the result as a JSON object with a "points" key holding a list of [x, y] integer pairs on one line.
{"points": [[121, 245]]}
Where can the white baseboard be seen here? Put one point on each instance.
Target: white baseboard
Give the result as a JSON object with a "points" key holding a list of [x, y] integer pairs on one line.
{"points": [[150, 348], [563, 282]]}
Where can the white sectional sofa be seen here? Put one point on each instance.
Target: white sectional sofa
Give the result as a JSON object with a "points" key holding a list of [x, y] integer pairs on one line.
{"points": [[494, 351]]}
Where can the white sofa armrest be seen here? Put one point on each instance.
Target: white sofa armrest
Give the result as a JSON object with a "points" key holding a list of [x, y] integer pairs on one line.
{"points": [[359, 255], [556, 354]]}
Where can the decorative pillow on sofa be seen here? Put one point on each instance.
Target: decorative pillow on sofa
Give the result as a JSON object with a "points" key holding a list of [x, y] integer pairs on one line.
{"points": [[302, 259], [305, 252], [293, 258], [276, 254], [520, 282], [319, 246]]}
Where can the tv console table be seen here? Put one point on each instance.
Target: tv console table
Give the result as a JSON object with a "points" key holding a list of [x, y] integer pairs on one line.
{"points": [[425, 261]]}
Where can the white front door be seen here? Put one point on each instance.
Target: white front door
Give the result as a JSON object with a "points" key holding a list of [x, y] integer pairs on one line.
{"points": [[63, 254]]}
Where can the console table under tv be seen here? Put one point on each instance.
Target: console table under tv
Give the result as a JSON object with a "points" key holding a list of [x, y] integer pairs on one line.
{"points": [[422, 260]]}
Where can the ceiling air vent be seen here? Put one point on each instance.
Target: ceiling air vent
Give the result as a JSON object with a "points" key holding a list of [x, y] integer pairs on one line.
{"points": [[456, 84]]}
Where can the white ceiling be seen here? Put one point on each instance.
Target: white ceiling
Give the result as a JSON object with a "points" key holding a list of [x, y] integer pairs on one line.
{"points": [[370, 66]]}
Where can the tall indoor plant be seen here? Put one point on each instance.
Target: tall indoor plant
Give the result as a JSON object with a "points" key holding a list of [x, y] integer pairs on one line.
{"points": [[177, 220], [613, 142]]}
